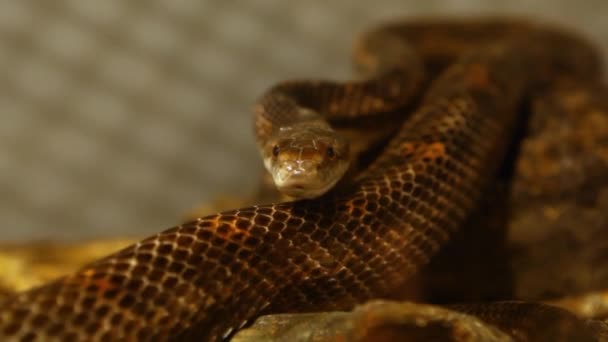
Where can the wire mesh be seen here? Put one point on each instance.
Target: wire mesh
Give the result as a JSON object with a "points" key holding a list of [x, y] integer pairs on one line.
{"points": [[118, 116]]}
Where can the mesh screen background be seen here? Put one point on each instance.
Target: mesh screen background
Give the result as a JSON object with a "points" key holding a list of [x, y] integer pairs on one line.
{"points": [[119, 116]]}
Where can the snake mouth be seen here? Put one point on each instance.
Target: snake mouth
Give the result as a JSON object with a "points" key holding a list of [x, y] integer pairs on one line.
{"points": [[303, 187], [303, 192]]}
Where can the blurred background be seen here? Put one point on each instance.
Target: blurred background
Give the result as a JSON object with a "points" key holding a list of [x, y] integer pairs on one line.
{"points": [[118, 117]]}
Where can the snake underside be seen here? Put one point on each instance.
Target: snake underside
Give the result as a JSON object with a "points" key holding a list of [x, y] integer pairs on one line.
{"points": [[207, 278]]}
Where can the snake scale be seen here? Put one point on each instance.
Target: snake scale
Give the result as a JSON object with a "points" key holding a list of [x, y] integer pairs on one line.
{"points": [[204, 279]]}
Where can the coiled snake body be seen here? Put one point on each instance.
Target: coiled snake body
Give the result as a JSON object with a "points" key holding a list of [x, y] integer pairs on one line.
{"points": [[203, 279]]}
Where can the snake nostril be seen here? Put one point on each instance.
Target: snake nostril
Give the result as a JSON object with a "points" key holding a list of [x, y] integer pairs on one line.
{"points": [[298, 187], [276, 150]]}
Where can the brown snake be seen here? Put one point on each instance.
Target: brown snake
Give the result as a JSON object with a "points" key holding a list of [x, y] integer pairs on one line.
{"points": [[204, 279]]}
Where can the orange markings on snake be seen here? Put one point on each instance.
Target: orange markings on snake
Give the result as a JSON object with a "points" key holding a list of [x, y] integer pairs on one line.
{"points": [[425, 151], [478, 76]]}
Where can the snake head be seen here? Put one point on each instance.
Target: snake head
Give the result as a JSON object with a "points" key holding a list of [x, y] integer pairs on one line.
{"points": [[306, 160]]}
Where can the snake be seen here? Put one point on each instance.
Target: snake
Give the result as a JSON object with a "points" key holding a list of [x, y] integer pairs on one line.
{"points": [[459, 85]]}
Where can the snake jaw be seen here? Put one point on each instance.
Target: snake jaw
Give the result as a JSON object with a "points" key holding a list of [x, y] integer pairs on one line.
{"points": [[299, 190]]}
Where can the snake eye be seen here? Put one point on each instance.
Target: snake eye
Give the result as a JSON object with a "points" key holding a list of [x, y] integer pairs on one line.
{"points": [[275, 150], [330, 152]]}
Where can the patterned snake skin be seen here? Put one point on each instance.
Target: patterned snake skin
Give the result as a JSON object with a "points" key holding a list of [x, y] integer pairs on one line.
{"points": [[204, 279]]}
